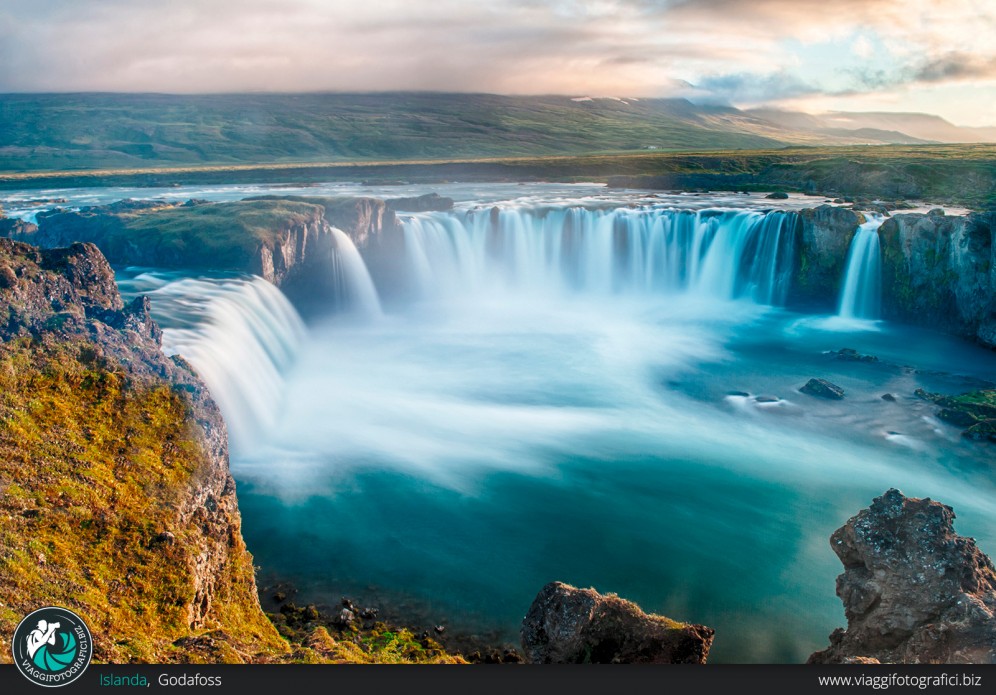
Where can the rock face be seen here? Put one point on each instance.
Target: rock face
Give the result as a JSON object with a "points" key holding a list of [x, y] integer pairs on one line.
{"points": [[567, 625], [940, 271], [913, 590], [18, 230], [140, 450], [288, 240], [826, 234], [424, 203], [821, 388]]}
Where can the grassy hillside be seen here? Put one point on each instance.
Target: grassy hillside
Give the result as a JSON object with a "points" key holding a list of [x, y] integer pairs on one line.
{"points": [[87, 131]]}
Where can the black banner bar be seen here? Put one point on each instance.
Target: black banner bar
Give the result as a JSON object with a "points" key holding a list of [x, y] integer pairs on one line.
{"points": [[520, 680]]}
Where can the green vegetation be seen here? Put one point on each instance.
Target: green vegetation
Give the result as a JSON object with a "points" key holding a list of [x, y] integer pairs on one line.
{"points": [[959, 174], [219, 235], [93, 466], [86, 131], [316, 640], [975, 411]]}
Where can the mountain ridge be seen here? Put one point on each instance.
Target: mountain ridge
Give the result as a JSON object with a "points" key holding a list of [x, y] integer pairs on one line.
{"points": [[85, 131]]}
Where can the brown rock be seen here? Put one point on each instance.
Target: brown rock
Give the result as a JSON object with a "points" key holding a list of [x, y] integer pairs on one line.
{"points": [[913, 590], [567, 625]]}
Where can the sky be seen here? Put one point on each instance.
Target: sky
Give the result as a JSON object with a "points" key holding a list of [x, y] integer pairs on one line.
{"points": [[934, 56]]}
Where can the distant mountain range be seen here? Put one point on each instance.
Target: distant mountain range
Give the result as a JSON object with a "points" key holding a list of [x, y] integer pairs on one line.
{"points": [[101, 131], [882, 127]]}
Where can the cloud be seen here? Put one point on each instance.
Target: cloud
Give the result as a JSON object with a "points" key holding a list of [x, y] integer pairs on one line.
{"points": [[751, 88], [955, 66], [764, 50]]}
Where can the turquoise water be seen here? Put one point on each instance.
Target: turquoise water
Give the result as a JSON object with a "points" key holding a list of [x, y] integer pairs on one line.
{"points": [[572, 394], [453, 462]]}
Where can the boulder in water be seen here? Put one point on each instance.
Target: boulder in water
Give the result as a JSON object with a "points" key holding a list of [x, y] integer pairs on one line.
{"points": [[821, 388], [567, 625], [851, 355], [777, 195], [913, 590]]}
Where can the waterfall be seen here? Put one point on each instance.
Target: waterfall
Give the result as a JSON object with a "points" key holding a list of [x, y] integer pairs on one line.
{"points": [[727, 254], [354, 288], [241, 335], [861, 295]]}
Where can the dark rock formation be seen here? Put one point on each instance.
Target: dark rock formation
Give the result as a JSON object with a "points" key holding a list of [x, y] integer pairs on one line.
{"points": [[826, 236], [777, 195], [288, 240], [17, 229], [821, 388], [430, 202], [913, 590], [566, 625], [940, 271], [851, 355]]}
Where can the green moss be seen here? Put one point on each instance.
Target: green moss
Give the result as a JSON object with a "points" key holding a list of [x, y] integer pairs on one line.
{"points": [[221, 235], [93, 466]]}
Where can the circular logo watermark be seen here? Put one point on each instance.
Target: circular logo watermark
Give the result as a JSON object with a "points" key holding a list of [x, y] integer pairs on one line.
{"points": [[52, 647]]}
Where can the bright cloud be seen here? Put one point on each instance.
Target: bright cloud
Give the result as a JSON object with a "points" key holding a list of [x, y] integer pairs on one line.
{"points": [[842, 54]]}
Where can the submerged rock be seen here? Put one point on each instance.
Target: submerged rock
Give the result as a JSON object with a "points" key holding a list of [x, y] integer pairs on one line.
{"points": [[567, 625], [851, 355], [777, 195], [913, 590], [821, 388]]}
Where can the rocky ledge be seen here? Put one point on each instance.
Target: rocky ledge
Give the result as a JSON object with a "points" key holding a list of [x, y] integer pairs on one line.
{"points": [[913, 590], [288, 240], [113, 471], [567, 625]]}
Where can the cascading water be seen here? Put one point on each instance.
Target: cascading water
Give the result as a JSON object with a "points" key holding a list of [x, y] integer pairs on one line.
{"points": [[354, 288], [726, 254], [241, 335], [861, 295]]}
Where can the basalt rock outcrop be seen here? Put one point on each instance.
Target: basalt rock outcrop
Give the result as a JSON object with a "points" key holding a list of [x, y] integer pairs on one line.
{"points": [[913, 590], [113, 471], [825, 235], [567, 625], [940, 271], [430, 202], [287, 240], [17, 229]]}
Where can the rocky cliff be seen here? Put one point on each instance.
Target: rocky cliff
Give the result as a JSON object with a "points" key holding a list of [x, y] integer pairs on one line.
{"points": [[287, 240], [114, 473], [940, 272], [913, 590], [824, 237]]}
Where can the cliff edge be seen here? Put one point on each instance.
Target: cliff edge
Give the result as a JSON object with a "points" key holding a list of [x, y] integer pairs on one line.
{"points": [[114, 480]]}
